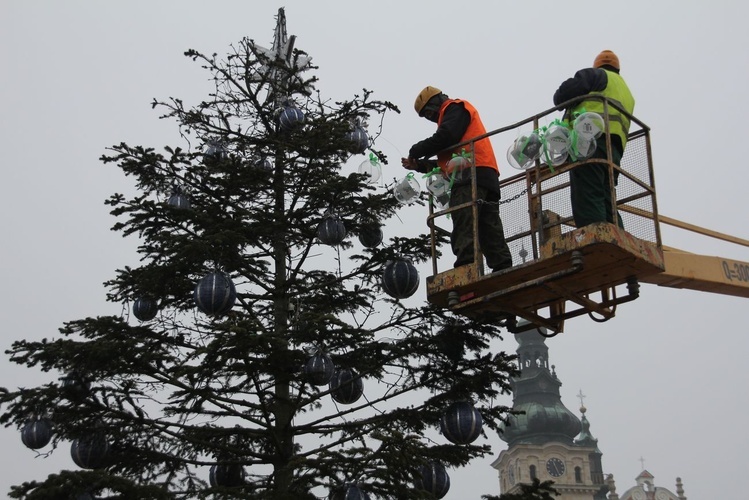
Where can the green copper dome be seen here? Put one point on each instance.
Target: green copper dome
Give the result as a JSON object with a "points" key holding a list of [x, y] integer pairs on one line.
{"points": [[543, 417]]}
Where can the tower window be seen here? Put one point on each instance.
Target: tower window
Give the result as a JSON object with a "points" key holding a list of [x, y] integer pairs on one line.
{"points": [[578, 475], [533, 472]]}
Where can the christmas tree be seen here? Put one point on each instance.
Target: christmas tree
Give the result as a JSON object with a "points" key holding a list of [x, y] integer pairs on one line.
{"points": [[271, 344]]}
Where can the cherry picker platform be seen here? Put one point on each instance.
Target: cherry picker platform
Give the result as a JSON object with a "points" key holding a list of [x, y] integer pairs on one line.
{"points": [[595, 258], [562, 271]]}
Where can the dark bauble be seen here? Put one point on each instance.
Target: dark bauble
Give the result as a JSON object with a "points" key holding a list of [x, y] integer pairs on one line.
{"points": [[215, 294], [90, 452], [331, 231], [290, 118], [226, 475], [358, 140], [370, 235], [451, 341], [461, 423], [145, 308], [319, 369], [400, 279], [36, 433], [346, 386], [75, 387], [178, 200], [433, 478], [349, 492], [214, 152]]}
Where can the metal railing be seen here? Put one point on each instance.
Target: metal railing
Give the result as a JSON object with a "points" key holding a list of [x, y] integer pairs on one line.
{"points": [[535, 203]]}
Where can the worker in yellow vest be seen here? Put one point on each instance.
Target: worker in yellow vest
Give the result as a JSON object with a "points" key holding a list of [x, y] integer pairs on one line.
{"points": [[590, 190], [458, 121]]}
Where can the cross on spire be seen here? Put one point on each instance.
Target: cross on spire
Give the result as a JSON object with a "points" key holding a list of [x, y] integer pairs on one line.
{"points": [[642, 462], [582, 397]]}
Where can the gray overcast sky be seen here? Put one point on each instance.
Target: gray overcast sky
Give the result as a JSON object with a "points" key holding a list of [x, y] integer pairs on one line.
{"points": [[665, 380]]}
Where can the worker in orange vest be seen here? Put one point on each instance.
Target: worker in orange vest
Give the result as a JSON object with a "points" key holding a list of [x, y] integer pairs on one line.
{"points": [[458, 121]]}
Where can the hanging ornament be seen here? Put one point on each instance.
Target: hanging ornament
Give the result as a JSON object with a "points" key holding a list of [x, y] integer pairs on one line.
{"points": [[588, 124], [439, 187], [525, 151], [90, 452], [581, 147], [75, 387], [461, 423], [178, 199], [358, 140], [349, 492], [433, 478], [145, 308], [400, 279], [290, 117], [214, 152], [331, 231], [556, 144], [450, 341], [371, 168], [36, 433], [458, 164], [346, 386], [370, 235], [262, 163], [226, 475], [319, 369], [407, 189], [215, 294]]}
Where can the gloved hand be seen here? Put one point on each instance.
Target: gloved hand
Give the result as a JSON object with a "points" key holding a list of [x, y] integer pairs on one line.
{"points": [[410, 163]]}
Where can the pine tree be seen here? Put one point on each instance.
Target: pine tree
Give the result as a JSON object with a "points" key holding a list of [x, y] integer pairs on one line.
{"points": [[260, 354]]}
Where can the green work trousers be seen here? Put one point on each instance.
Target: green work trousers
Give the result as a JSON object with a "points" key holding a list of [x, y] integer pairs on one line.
{"points": [[590, 192], [491, 233]]}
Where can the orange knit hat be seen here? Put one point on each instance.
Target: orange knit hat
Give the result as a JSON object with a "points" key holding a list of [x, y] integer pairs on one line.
{"points": [[606, 58]]}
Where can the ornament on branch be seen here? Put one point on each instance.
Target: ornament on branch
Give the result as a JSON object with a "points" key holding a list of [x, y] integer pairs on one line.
{"points": [[75, 387], [371, 168], [358, 139], [400, 279], [290, 117], [145, 308], [346, 386], [215, 294], [370, 234], [36, 432], [319, 369], [461, 423], [433, 478], [178, 198], [331, 231], [90, 452], [214, 152], [262, 163], [349, 492], [226, 475]]}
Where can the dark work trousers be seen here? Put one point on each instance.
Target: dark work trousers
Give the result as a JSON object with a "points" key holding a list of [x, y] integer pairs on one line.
{"points": [[491, 233], [590, 191]]}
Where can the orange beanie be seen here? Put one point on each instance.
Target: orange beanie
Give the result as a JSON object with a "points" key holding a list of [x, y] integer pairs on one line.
{"points": [[606, 58]]}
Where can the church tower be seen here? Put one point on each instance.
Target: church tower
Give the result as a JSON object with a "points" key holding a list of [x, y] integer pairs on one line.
{"points": [[547, 441]]}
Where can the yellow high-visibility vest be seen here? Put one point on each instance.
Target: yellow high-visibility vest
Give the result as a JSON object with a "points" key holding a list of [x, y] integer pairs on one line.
{"points": [[617, 92]]}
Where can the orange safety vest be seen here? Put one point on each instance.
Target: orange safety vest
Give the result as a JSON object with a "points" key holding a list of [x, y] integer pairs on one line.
{"points": [[482, 150]]}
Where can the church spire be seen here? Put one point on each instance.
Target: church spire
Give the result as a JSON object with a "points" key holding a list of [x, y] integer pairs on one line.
{"points": [[536, 393], [585, 438]]}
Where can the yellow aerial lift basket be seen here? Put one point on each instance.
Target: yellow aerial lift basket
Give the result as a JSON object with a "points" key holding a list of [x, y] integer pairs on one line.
{"points": [[560, 271]]}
